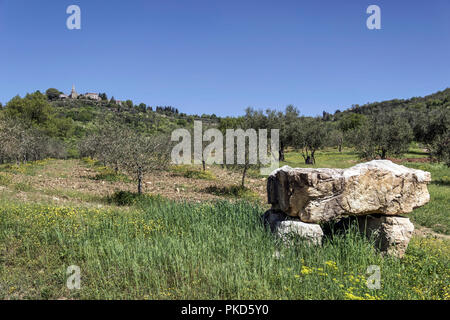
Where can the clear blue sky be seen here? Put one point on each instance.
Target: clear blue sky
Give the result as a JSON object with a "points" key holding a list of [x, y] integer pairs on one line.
{"points": [[208, 56]]}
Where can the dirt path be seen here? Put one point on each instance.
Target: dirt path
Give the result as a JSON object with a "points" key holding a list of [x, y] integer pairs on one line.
{"points": [[424, 232]]}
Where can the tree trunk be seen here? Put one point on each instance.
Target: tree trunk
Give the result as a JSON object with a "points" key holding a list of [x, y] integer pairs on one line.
{"points": [[309, 159], [383, 154], [281, 152], [305, 155], [139, 181], [243, 176], [313, 158]]}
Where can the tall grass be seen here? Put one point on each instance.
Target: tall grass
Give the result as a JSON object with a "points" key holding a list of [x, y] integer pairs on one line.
{"points": [[436, 214], [161, 249]]}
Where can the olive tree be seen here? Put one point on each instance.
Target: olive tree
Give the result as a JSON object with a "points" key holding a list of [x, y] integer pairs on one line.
{"points": [[13, 136], [345, 123], [124, 148], [435, 132], [286, 122], [311, 135], [384, 135], [440, 148], [242, 141], [141, 154], [22, 143], [52, 94]]}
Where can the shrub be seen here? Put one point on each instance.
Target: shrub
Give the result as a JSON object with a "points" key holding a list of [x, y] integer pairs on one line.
{"points": [[107, 174], [89, 161], [123, 198], [128, 198], [233, 191], [197, 174], [188, 172]]}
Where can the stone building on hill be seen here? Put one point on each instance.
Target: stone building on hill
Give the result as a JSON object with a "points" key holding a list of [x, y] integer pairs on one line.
{"points": [[74, 95], [92, 96]]}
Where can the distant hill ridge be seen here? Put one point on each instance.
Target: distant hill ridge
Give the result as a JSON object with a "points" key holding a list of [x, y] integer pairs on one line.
{"points": [[437, 99]]}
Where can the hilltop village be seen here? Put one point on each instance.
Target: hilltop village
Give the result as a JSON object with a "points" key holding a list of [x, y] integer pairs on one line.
{"points": [[88, 95]]}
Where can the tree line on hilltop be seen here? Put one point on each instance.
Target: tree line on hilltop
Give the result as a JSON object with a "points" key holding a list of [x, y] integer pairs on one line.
{"points": [[136, 139]]}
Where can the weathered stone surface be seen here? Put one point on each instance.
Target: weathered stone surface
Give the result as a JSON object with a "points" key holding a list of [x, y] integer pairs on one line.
{"points": [[391, 233], [375, 187], [286, 228], [310, 232]]}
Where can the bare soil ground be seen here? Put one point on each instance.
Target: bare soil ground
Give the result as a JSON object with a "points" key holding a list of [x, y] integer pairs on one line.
{"points": [[73, 180], [425, 232], [418, 160]]}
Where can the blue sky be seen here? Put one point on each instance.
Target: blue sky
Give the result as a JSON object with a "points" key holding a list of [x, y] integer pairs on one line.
{"points": [[222, 56]]}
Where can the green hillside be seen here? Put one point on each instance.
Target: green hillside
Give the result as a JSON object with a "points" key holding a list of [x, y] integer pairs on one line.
{"points": [[379, 129]]}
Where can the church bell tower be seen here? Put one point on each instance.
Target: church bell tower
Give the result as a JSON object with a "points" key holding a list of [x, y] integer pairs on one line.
{"points": [[73, 94]]}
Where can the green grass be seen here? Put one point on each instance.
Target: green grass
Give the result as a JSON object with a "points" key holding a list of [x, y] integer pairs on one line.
{"points": [[416, 150], [435, 214], [72, 195], [5, 179], [105, 173], [328, 158], [167, 250], [30, 168], [90, 162], [23, 186]]}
